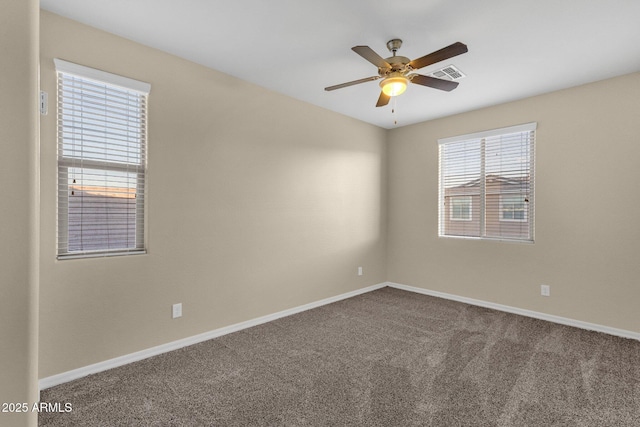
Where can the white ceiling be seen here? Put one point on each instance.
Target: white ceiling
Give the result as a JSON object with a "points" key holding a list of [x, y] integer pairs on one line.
{"points": [[517, 48]]}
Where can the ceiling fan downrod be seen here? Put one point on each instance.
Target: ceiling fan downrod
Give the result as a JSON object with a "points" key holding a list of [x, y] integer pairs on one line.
{"points": [[394, 45]]}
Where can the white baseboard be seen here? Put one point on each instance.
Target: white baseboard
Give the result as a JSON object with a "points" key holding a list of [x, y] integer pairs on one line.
{"points": [[528, 313], [164, 348]]}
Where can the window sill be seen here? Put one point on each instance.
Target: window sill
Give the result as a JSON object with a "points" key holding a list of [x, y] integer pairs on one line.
{"points": [[101, 254]]}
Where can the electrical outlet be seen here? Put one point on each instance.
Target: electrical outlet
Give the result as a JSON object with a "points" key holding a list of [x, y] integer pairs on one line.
{"points": [[176, 310], [545, 290], [359, 271]]}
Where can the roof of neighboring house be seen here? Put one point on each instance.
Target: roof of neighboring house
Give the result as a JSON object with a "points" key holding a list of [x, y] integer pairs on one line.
{"points": [[495, 179]]}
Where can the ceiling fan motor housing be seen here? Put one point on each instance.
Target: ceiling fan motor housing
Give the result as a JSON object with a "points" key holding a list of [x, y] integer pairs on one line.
{"points": [[399, 64]]}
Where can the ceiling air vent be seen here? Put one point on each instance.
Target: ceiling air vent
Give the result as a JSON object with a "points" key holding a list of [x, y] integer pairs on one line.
{"points": [[450, 72]]}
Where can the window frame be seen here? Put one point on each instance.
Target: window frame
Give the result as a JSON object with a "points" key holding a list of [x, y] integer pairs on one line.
{"points": [[65, 163], [478, 155]]}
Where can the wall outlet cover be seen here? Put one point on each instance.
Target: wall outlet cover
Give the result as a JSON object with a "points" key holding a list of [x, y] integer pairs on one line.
{"points": [[176, 310]]}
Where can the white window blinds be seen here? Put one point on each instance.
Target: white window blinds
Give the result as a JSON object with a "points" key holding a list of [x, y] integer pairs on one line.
{"points": [[486, 185], [102, 139]]}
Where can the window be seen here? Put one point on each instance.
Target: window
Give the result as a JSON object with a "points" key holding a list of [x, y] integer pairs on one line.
{"points": [[492, 171], [460, 208], [513, 208], [102, 139]]}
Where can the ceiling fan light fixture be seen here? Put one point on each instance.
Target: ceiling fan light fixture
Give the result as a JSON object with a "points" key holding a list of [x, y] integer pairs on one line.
{"points": [[394, 85]]}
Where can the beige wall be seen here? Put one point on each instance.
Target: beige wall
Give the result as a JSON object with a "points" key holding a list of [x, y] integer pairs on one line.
{"points": [[587, 230], [256, 203], [259, 203], [18, 219]]}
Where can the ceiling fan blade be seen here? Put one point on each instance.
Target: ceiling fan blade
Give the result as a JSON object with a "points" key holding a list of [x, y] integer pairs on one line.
{"points": [[369, 54], [446, 85], [383, 100], [439, 55], [355, 82]]}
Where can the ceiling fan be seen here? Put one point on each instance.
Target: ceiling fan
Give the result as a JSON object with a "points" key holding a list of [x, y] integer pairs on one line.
{"points": [[397, 71]]}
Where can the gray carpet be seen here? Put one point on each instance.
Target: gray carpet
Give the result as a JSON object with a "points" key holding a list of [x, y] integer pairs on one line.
{"points": [[385, 358]]}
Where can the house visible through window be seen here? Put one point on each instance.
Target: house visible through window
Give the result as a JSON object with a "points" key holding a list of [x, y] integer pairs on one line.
{"points": [[102, 138], [460, 208], [493, 172], [513, 208]]}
